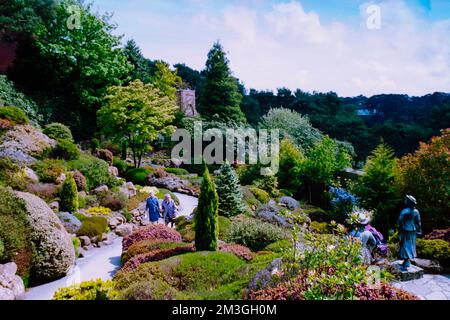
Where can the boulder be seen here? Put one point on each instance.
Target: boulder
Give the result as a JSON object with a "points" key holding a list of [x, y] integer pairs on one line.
{"points": [[101, 189], [31, 175], [70, 222], [113, 171], [124, 230], [61, 178], [85, 241], [429, 266], [11, 285], [172, 183], [80, 180], [24, 143], [113, 222], [411, 273], [54, 206], [55, 253], [289, 203], [128, 189], [266, 277]]}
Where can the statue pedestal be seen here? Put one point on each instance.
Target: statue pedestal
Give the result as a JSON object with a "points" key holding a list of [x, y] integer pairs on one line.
{"points": [[411, 273]]}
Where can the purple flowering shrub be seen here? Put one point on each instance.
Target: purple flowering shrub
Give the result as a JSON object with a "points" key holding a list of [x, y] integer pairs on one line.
{"points": [[156, 232]]}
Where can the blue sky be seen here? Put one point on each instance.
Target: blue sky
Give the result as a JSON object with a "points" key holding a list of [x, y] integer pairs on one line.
{"points": [[314, 45]]}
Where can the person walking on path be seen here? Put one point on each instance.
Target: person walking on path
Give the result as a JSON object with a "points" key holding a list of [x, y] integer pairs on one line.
{"points": [[153, 209], [409, 226], [169, 209]]}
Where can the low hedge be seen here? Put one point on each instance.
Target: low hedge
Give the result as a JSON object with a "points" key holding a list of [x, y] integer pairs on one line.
{"points": [[93, 227], [138, 176], [13, 114]]}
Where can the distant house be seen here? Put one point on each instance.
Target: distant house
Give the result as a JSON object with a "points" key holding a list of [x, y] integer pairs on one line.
{"points": [[187, 102]]}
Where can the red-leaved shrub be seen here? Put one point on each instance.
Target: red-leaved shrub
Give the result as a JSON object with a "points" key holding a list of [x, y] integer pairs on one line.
{"points": [[238, 250], [157, 232], [156, 255], [46, 191], [442, 234]]}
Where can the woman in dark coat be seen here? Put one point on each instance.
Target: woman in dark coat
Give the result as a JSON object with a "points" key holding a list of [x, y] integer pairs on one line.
{"points": [[409, 227], [153, 208]]}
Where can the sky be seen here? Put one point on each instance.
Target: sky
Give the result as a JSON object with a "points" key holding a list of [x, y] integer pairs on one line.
{"points": [[351, 47]]}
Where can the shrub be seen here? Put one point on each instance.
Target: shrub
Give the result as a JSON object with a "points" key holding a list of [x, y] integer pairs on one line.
{"points": [[229, 191], [150, 290], [68, 195], [105, 155], [13, 114], [260, 194], [269, 184], [79, 216], [224, 225], [94, 170], [205, 220], [121, 165], [434, 249], [58, 131], [185, 228], [249, 198], [98, 211], [280, 246], [46, 191], [254, 234], [138, 176], [443, 234], [66, 149], [95, 144], [177, 171], [5, 125], [115, 201], [80, 180], [88, 290], [14, 232], [238, 250], [320, 227], [76, 246], [148, 245], [342, 203], [155, 232], [93, 227], [50, 170]]}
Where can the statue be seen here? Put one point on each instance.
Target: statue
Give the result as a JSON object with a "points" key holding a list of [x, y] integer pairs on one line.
{"points": [[409, 227]]}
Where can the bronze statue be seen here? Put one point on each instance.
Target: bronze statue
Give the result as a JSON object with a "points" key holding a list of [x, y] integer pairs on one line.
{"points": [[409, 227]]}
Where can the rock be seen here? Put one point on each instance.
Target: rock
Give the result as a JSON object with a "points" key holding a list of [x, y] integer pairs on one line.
{"points": [[69, 221], [172, 183], [23, 144], [11, 285], [105, 155], [113, 222], [411, 273], [80, 180], [128, 189], [82, 194], [113, 171], [61, 178], [124, 230], [55, 253], [266, 277], [85, 241], [31, 175], [429, 266], [176, 163], [54, 206], [101, 189], [289, 202]]}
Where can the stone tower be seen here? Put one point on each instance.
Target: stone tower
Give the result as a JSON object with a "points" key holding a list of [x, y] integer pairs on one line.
{"points": [[187, 102]]}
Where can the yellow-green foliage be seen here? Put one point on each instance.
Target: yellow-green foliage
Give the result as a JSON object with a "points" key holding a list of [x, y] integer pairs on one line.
{"points": [[98, 211], [50, 170], [434, 249], [13, 114], [260, 194], [93, 227], [69, 195], [89, 290], [320, 227]]}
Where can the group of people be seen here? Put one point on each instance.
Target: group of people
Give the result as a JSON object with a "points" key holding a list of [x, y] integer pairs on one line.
{"points": [[373, 242], [167, 209]]}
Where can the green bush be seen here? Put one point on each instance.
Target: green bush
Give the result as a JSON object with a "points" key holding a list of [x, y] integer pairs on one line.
{"points": [[185, 228], [14, 232], [50, 170], [150, 290], [93, 227], [138, 176], [88, 290], [121, 165], [58, 131], [13, 114], [229, 191], [280, 246], [224, 225], [320, 227], [254, 234], [434, 249], [94, 170], [68, 195], [177, 171], [95, 144], [79, 216], [269, 184], [261, 195], [76, 246], [66, 149]]}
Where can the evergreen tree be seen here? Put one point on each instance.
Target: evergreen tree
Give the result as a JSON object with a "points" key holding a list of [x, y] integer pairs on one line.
{"points": [[166, 80], [221, 93], [377, 187], [141, 70], [206, 217], [229, 191], [69, 195]]}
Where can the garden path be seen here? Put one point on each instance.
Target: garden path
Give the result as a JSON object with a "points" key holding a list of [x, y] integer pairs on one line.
{"points": [[430, 287]]}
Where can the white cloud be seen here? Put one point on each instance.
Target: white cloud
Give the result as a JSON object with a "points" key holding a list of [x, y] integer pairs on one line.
{"points": [[289, 46]]}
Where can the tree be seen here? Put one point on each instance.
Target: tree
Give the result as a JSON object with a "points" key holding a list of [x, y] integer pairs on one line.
{"points": [[206, 218], [65, 69], [292, 125], [166, 80], [137, 113], [141, 70], [229, 191], [377, 187], [290, 159], [69, 195], [220, 94], [426, 175]]}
